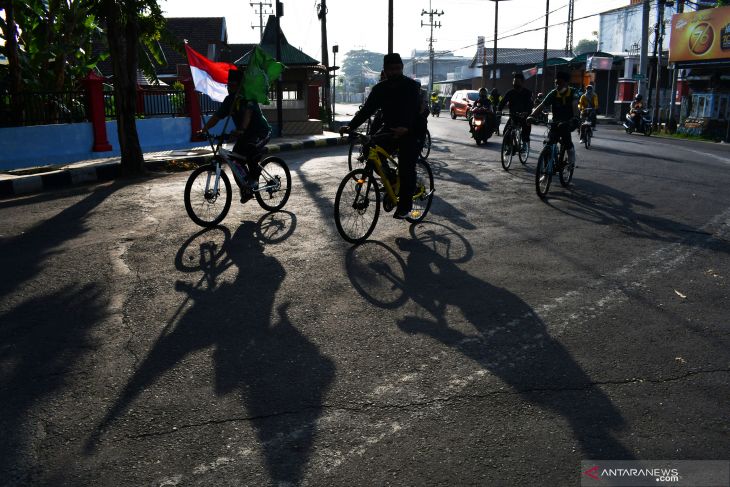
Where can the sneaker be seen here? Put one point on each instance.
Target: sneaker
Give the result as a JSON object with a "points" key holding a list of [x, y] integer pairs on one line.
{"points": [[400, 214]]}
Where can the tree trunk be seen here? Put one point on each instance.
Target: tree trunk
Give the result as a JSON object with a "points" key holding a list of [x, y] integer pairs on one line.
{"points": [[123, 33], [16, 78]]}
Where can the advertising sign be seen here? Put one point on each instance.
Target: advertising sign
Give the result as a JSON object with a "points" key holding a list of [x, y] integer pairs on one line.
{"points": [[700, 36]]}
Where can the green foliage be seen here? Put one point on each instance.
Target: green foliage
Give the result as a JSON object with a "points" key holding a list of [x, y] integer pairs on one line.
{"points": [[355, 62], [178, 97], [585, 45]]}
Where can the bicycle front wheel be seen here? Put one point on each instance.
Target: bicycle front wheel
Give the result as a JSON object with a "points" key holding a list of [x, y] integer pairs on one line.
{"points": [[524, 150], [205, 205], [426, 148], [274, 184], [357, 206], [507, 150], [587, 139], [423, 196], [543, 172], [355, 157], [566, 175]]}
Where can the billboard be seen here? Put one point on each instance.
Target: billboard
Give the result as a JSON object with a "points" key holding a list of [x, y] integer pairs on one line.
{"points": [[700, 36]]}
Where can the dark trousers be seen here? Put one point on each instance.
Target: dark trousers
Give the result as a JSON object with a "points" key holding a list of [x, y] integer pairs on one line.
{"points": [[562, 132], [252, 148], [408, 150]]}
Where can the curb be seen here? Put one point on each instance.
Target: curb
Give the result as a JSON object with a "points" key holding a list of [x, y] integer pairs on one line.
{"points": [[108, 171]]}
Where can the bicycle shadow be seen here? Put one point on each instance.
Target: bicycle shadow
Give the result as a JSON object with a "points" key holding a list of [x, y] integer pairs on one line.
{"points": [[259, 355], [509, 340]]}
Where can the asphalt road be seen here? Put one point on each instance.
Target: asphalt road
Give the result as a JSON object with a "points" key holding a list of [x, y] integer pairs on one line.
{"points": [[500, 342]]}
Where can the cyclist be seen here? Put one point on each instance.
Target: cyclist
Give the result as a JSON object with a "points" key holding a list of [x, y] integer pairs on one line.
{"points": [[399, 98], [589, 99], [636, 109], [519, 100], [252, 129], [563, 103]]}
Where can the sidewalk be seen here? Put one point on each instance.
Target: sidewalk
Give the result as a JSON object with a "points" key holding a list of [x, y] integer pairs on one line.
{"points": [[44, 178]]}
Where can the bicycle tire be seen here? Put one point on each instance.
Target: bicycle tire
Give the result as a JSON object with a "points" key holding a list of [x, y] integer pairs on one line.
{"points": [[350, 194], [426, 148], [507, 151], [543, 176], [278, 179], [587, 140], [423, 196], [524, 151], [359, 160], [566, 175], [208, 204]]}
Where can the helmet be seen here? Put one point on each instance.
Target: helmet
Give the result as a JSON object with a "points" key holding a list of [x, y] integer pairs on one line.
{"points": [[589, 88], [434, 93], [482, 91], [539, 95], [494, 92], [638, 97]]}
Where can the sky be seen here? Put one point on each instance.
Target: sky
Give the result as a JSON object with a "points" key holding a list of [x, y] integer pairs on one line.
{"points": [[363, 24]]}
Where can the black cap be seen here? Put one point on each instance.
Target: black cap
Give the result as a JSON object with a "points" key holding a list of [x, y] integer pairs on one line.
{"points": [[392, 58], [518, 75], [235, 75], [562, 75]]}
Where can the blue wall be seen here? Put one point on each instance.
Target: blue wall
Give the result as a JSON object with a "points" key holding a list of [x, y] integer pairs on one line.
{"points": [[41, 145]]}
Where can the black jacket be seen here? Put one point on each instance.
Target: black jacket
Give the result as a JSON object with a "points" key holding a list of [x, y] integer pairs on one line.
{"points": [[399, 101]]}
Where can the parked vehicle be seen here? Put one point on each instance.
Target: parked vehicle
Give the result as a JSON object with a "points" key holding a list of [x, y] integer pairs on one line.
{"points": [[462, 102], [644, 123]]}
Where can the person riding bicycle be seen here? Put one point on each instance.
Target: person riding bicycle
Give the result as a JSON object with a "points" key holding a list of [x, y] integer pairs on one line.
{"points": [[563, 103], [399, 98], [252, 129], [589, 99], [519, 100]]}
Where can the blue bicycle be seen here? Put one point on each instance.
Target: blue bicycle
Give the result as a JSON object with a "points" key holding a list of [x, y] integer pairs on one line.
{"points": [[552, 160]]}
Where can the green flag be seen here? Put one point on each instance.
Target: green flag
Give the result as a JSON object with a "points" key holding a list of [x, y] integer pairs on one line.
{"points": [[261, 73]]}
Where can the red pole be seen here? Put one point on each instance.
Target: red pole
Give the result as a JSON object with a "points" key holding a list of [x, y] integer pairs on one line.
{"points": [[193, 108], [95, 97]]}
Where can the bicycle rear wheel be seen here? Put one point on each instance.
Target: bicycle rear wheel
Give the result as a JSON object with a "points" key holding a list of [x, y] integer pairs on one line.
{"points": [[426, 148], [204, 205], [357, 206], [274, 184], [543, 172], [423, 196], [507, 150]]}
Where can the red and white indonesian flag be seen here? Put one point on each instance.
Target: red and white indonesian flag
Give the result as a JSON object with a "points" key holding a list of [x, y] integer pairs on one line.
{"points": [[209, 77]]}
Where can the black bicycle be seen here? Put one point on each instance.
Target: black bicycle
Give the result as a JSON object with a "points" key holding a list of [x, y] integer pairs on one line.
{"points": [[552, 160], [512, 142]]}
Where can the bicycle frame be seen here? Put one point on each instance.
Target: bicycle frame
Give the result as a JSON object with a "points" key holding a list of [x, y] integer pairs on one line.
{"points": [[374, 158], [221, 153]]}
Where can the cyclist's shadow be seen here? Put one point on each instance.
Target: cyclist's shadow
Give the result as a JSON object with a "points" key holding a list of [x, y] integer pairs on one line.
{"points": [[258, 355]]}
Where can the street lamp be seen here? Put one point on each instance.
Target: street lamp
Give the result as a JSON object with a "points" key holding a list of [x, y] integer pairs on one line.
{"points": [[494, 55], [335, 50]]}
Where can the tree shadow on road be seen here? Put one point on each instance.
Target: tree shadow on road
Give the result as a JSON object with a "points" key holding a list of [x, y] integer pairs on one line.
{"points": [[258, 353], [509, 339]]}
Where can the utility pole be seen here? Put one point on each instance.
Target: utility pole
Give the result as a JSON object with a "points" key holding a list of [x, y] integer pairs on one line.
{"points": [[673, 93], [569, 38], [644, 56], [322, 16], [494, 54], [335, 50], [659, 41], [544, 52], [390, 26], [431, 24], [279, 107], [261, 14]]}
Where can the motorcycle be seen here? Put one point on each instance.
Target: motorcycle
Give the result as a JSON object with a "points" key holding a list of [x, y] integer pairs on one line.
{"points": [[435, 109], [482, 124], [586, 127], [644, 124]]}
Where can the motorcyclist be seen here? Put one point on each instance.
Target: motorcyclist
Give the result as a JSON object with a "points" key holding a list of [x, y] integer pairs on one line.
{"points": [[519, 100], [563, 103], [435, 103], [636, 110], [589, 99], [482, 102]]}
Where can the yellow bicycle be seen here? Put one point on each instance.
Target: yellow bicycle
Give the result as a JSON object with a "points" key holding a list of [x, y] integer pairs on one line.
{"points": [[357, 203]]}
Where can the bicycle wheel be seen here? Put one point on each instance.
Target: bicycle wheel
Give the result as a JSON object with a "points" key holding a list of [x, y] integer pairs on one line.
{"points": [[274, 184], [566, 174], [543, 172], [206, 206], [423, 196], [355, 157], [524, 150], [507, 150], [426, 147], [357, 206], [587, 139]]}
